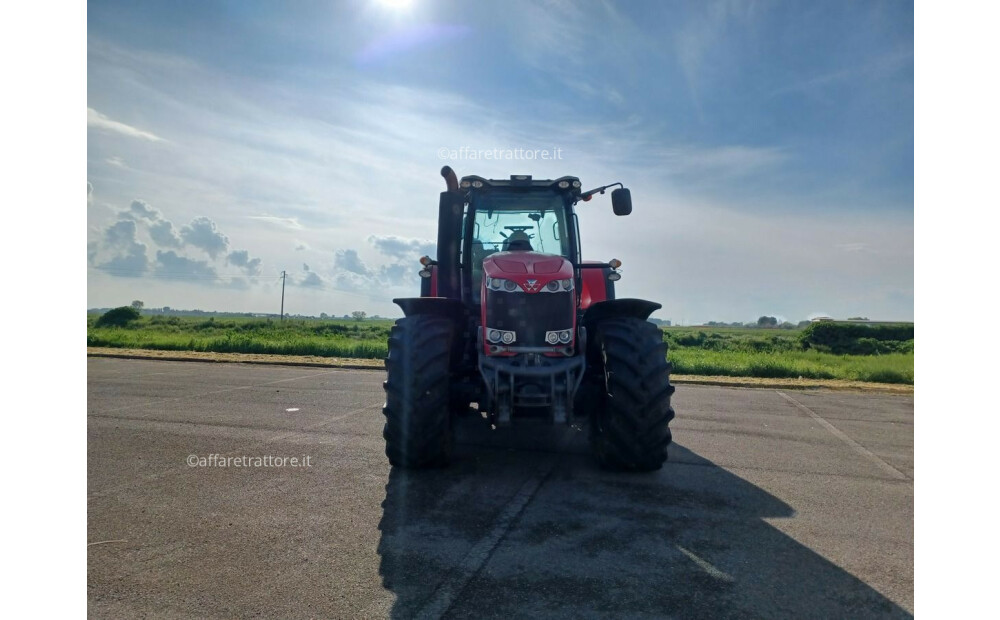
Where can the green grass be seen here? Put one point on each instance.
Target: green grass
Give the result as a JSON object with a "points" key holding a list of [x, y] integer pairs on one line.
{"points": [[749, 340], [888, 368], [327, 338], [775, 353], [726, 351]]}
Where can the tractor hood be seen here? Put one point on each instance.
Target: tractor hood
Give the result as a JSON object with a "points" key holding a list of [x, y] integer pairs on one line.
{"points": [[524, 266], [529, 304]]}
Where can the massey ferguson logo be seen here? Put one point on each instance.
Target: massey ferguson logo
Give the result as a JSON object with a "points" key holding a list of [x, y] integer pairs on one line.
{"points": [[531, 286]]}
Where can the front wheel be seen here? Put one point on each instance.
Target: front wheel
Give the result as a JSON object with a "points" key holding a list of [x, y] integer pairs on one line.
{"points": [[630, 425], [417, 428]]}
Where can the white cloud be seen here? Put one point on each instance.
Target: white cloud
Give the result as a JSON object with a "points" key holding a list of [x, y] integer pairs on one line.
{"points": [[163, 233], [349, 260], [284, 222], [120, 233], [142, 209], [241, 258], [312, 279], [202, 233], [853, 247], [698, 44], [97, 120], [728, 160], [171, 264], [876, 68], [351, 282], [130, 264], [401, 248], [128, 255]]}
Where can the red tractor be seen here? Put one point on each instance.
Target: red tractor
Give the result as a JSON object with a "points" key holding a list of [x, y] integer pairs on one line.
{"points": [[512, 319]]}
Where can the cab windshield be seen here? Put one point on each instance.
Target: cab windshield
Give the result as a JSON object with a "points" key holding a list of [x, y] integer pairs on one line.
{"points": [[513, 221]]}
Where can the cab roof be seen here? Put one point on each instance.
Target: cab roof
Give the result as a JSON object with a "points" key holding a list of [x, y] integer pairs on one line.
{"points": [[520, 180]]}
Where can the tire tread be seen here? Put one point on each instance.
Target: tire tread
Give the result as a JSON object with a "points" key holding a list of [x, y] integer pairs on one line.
{"points": [[631, 429], [417, 429]]}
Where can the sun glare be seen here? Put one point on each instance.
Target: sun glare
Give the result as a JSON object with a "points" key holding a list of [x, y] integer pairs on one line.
{"points": [[396, 5]]}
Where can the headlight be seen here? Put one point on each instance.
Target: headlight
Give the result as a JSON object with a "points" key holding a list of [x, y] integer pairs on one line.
{"points": [[497, 284], [558, 286], [555, 337], [500, 335], [554, 286]]}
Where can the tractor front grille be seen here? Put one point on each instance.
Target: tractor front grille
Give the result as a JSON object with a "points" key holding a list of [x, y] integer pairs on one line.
{"points": [[529, 315]]}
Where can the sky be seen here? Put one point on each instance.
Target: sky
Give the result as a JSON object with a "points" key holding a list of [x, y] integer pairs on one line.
{"points": [[768, 147]]}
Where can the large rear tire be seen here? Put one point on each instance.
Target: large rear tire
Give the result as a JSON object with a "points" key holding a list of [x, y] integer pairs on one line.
{"points": [[417, 428], [629, 428]]}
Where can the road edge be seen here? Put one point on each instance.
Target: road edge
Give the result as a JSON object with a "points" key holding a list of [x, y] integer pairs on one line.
{"points": [[355, 364]]}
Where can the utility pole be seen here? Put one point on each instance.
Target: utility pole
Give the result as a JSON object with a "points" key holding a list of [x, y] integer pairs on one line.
{"points": [[282, 295]]}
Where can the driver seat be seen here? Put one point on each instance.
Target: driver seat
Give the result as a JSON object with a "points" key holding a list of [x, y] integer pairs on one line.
{"points": [[519, 241]]}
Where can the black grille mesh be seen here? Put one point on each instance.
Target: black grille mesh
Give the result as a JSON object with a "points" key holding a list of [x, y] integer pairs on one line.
{"points": [[529, 315]]}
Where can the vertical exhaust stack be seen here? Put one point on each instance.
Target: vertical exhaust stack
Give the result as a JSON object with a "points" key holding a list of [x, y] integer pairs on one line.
{"points": [[450, 179], [449, 235]]}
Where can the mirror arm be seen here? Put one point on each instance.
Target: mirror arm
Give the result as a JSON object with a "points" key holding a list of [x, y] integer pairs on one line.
{"points": [[598, 190]]}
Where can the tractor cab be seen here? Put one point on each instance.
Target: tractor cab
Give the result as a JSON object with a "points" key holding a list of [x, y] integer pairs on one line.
{"points": [[514, 216]]}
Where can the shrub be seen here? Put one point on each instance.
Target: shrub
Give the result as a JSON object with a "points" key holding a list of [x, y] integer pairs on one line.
{"points": [[855, 338], [118, 317]]}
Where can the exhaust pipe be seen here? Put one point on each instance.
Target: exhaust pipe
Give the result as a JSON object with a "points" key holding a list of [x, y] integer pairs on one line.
{"points": [[450, 178], [449, 234]]}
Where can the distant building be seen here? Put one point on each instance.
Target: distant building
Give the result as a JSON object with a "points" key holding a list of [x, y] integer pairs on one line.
{"points": [[820, 319]]}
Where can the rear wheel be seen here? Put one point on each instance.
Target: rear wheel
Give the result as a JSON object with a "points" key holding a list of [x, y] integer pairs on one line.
{"points": [[630, 424], [417, 428]]}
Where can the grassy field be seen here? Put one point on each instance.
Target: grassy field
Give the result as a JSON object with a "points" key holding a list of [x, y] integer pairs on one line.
{"points": [[726, 351], [775, 353], [327, 338]]}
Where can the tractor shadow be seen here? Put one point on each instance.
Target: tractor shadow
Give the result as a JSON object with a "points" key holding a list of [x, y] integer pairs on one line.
{"points": [[688, 541]]}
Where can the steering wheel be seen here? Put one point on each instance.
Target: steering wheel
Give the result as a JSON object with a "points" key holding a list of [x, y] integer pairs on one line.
{"points": [[518, 229]]}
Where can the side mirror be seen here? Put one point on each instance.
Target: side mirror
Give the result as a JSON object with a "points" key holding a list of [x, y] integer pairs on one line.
{"points": [[621, 201]]}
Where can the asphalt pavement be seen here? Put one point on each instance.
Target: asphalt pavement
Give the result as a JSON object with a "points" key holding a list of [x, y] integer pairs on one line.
{"points": [[227, 490]]}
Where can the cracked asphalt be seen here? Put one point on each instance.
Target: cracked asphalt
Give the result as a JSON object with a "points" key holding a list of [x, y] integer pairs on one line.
{"points": [[774, 503]]}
